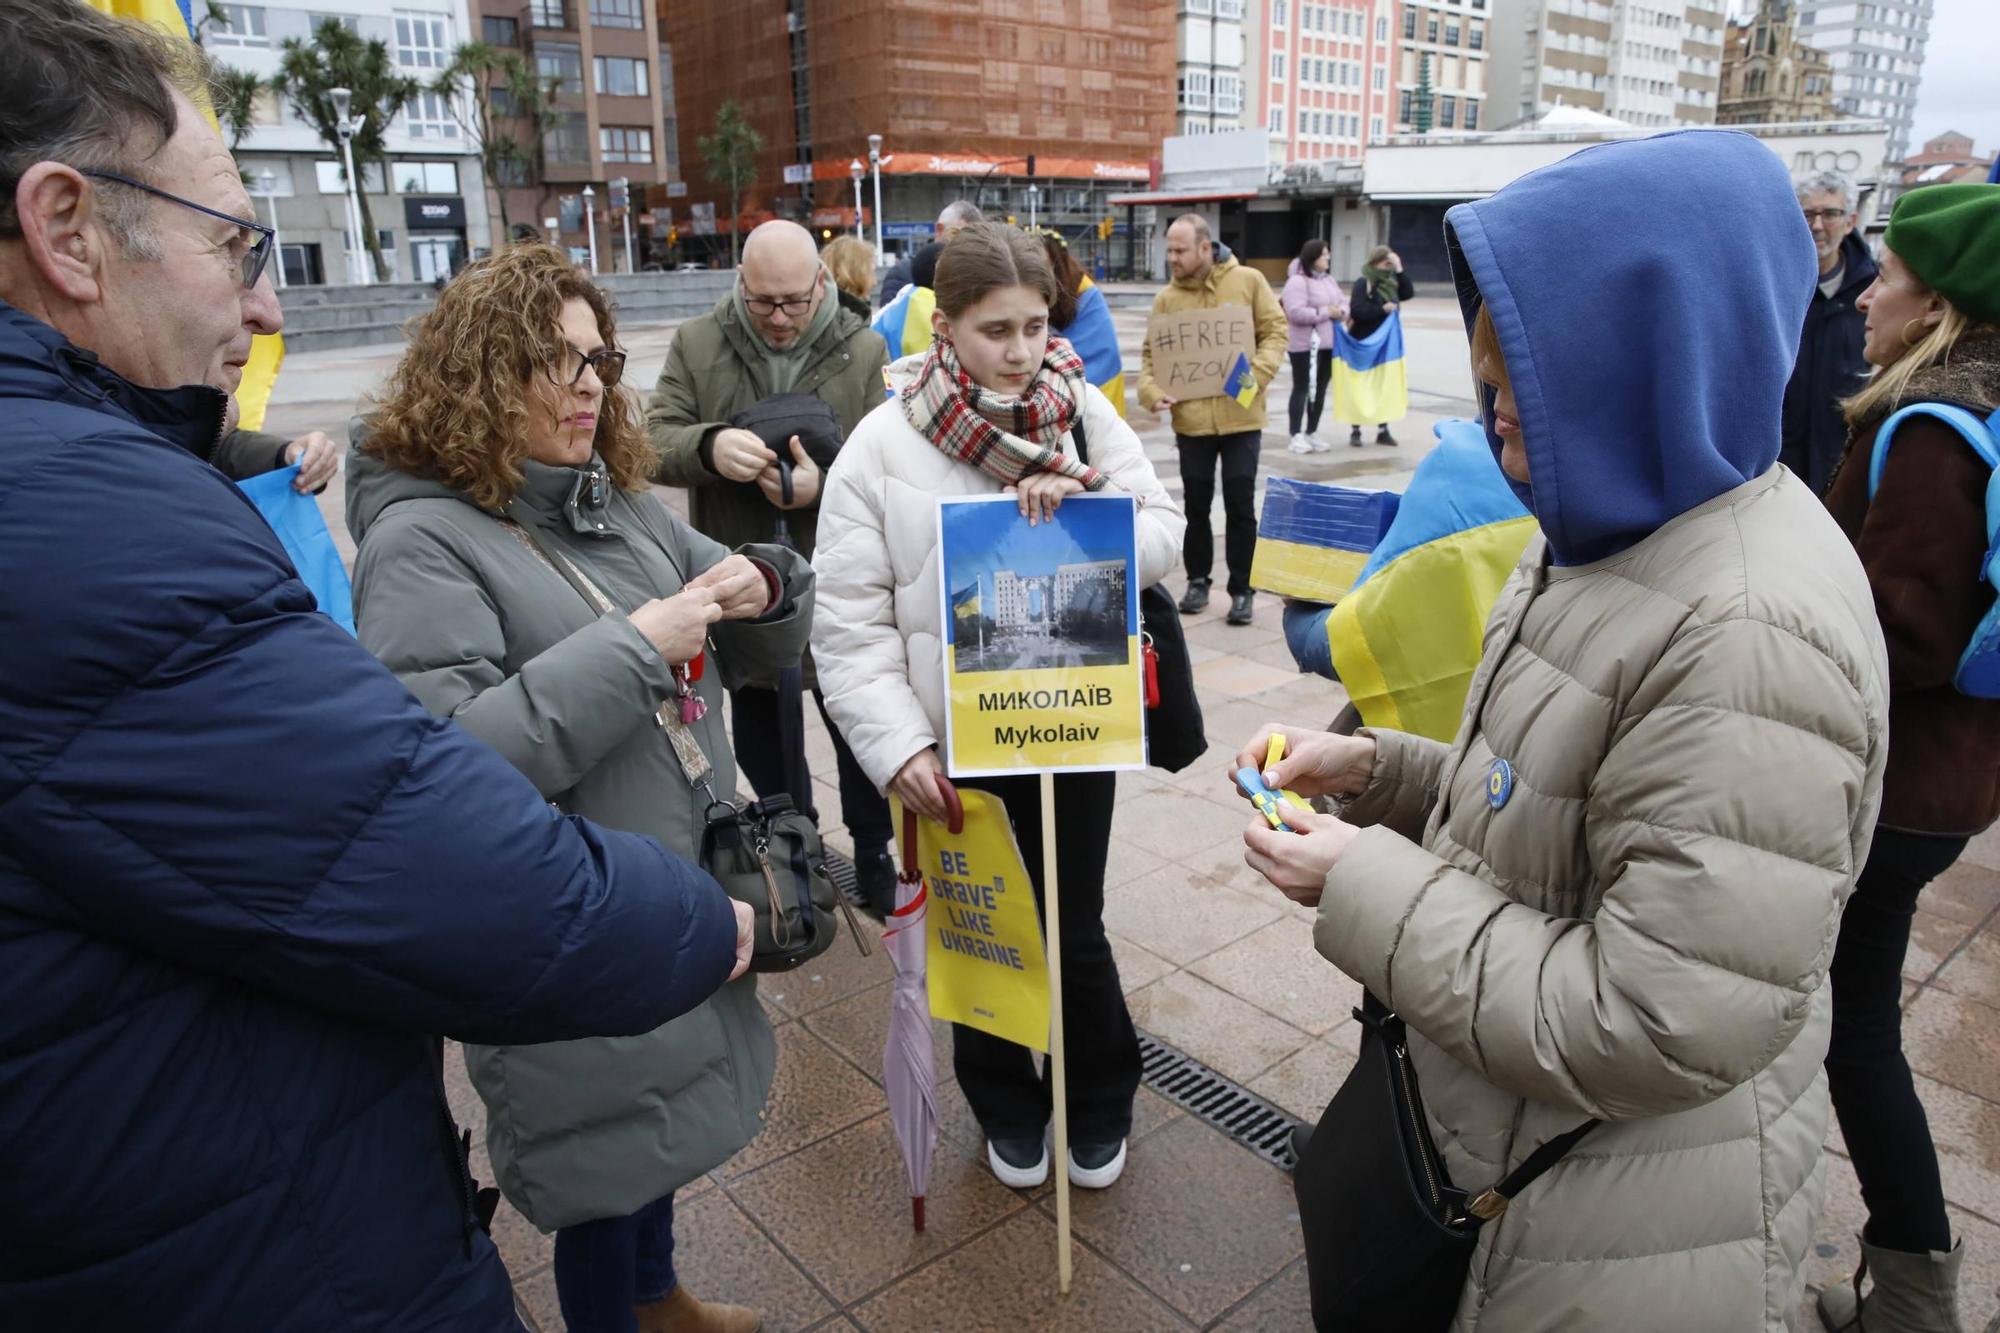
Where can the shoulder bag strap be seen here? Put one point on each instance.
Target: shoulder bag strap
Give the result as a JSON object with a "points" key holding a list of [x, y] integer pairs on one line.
{"points": [[694, 764]]}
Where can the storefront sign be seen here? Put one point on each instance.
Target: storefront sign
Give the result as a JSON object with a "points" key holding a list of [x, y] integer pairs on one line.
{"points": [[434, 214]]}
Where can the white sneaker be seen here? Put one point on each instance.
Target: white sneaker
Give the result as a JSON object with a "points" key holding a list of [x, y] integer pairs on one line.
{"points": [[1013, 1169], [1319, 446], [1300, 444], [1098, 1177]]}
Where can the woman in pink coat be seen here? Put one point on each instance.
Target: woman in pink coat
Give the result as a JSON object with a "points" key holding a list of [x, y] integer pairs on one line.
{"points": [[1312, 301]]}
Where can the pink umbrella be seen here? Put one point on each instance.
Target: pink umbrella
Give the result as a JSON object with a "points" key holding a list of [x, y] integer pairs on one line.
{"points": [[909, 1073]]}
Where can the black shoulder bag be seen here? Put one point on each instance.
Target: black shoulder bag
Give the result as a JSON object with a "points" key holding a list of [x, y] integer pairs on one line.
{"points": [[1174, 735], [1389, 1238]]}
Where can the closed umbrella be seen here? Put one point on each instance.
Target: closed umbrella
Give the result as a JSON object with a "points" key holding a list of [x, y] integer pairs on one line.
{"points": [[909, 1071]]}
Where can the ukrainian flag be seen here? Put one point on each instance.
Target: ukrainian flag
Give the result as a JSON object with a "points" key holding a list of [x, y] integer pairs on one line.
{"points": [[1095, 339], [267, 351], [1314, 539], [905, 323], [1370, 383], [1407, 640], [965, 602]]}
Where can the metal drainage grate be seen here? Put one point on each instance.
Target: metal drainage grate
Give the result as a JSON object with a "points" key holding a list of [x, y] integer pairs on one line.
{"points": [[1214, 1100], [841, 871]]}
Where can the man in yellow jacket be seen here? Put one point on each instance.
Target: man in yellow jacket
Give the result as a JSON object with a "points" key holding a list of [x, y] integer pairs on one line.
{"points": [[1220, 429]]}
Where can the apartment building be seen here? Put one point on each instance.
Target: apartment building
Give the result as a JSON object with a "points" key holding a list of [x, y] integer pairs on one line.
{"points": [[1877, 50], [1450, 37], [1645, 62]]}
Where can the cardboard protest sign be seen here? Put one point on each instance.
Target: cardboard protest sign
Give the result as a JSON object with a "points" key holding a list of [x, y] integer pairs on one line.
{"points": [[1203, 353], [1042, 663], [985, 960]]}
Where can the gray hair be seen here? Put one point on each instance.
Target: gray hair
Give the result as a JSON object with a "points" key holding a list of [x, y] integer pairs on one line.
{"points": [[1829, 182], [92, 92], [960, 213]]}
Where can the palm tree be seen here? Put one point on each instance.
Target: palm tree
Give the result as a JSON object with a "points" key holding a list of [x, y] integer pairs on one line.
{"points": [[337, 58], [730, 155], [494, 93], [235, 92]]}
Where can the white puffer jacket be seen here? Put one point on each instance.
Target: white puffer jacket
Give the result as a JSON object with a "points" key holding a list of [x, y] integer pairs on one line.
{"points": [[878, 633]]}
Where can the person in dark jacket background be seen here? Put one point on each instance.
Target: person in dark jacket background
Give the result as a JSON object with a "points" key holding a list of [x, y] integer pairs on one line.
{"points": [[955, 218], [1830, 365], [1378, 293], [245, 879], [1933, 335]]}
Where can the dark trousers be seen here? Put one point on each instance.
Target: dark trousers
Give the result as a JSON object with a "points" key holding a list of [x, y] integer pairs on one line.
{"points": [[1299, 409], [1238, 456], [1100, 1046], [605, 1268], [1887, 1135], [757, 738]]}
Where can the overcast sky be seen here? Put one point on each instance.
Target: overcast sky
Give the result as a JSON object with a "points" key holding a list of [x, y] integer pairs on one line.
{"points": [[1961, 87]]}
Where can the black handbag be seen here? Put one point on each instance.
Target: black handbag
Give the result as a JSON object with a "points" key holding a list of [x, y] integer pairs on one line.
{"points": [[1389, 1238], [1174, 734], [776, 419]]}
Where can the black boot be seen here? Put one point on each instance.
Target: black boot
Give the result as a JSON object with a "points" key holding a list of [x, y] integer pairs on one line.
{"points": [[1195, 599], [1239, 609], [875, 881], [1382, 436], [1354, 437]]}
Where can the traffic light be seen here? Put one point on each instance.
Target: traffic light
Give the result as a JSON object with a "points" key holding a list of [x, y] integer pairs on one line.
{"points": [[1104, 226], [1031, 164]]}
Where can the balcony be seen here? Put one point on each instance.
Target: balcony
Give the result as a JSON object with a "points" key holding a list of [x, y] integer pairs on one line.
{"points": [[551, 15]]}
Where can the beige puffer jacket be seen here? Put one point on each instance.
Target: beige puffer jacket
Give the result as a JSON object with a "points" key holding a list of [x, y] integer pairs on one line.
{"points": [[878, 633], [1640, 930]]}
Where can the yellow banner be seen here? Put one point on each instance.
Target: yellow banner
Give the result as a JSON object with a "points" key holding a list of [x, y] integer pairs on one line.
{"points": [[986, 963], [1043, 664]]}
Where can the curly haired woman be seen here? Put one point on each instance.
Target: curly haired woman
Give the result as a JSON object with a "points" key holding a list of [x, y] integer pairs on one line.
{"points": [[515, 573]]}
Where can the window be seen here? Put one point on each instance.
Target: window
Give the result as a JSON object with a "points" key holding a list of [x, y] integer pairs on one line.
{"points": [[1277, 13], [617, 14], [625, 143], [427, 177], [1431, 28], [1447, 111], [1305, 121], [620, 76], [238, 25], [1277, 120], [1451, 34], [347, 21], [1382, 28], [549, 13], [1410, 23], [1278, 65], [1403, 107], [561, 61], [1228, 93], [1381, 79], [327, 171], [1229, 9], [501, 32], [568, 140], [278, 169], [423, 41], [1375, 129], [1471, 114], [1476, 37], [429, 116]]}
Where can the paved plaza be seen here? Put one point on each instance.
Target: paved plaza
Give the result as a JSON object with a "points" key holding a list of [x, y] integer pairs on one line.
{"points": [[811, 1223]]}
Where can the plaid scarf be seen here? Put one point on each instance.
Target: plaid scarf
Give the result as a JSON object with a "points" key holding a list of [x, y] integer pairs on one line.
{"points": [[1004, 436]]}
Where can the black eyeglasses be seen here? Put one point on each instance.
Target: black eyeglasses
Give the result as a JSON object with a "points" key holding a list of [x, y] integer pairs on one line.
{"points": [[764, 305], [254, 257], [1826, 217], [609, 365]]}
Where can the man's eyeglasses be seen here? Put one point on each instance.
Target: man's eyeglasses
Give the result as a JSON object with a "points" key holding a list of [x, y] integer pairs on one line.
{"points": [[1826, 217], [609, 365], [764, 305], [256, 252]]}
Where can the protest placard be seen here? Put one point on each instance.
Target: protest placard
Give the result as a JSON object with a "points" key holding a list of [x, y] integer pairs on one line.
{"points": [[1202, 353]]}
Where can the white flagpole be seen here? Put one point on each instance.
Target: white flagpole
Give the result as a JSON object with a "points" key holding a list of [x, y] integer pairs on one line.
{"points": [[1058, 1075]]}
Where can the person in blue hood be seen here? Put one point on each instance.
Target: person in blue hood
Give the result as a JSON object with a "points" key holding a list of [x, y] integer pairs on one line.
{"points": [[1609, 904], [245, 879]]}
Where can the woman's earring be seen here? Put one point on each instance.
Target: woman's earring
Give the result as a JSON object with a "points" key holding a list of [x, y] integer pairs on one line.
{"points": [[1908, 341]]}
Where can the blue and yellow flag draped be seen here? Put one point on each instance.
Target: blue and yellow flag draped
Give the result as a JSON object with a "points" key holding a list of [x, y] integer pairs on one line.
{"points": [[905, 323], [1407, 640], [1370, 383], [1095, 339], [267, 351]]}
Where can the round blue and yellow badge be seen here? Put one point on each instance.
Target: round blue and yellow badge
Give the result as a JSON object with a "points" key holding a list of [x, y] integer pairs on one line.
{"points": [[1499, 783]]}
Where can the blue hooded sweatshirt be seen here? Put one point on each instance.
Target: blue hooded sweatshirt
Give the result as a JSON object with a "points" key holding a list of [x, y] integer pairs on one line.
{"points": [[1648, 295]]}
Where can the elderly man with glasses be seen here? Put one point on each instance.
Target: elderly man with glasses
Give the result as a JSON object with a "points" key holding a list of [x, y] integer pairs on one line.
{"points": [[245, 879], [780, 333], [1830, 366]]}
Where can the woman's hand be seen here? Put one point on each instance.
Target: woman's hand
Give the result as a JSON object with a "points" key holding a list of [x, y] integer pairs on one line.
{"points": [[740, 588], [1315, 763], [916, 784], [1297, 863], [677, 626], [1042, 494], [746, 937]]}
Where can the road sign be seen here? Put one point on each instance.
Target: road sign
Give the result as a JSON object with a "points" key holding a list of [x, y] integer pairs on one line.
{"points": [[798, 173]]}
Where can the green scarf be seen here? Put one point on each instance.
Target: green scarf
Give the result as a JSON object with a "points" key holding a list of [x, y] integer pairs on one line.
{"points": [[1382, 281], [784, 365]]}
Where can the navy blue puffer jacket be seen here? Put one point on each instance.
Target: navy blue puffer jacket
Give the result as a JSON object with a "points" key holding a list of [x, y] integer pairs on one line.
{"points": [[244, 880]]}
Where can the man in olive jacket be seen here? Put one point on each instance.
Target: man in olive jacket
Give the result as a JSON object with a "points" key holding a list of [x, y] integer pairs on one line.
{"points": [[780, 331], [1208, 431]]}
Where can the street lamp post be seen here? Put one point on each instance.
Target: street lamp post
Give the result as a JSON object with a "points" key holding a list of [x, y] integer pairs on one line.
{"points": [[590, 224], [358, 267], [857, 171], [875, 162], [1034, 198], [268, 183]]}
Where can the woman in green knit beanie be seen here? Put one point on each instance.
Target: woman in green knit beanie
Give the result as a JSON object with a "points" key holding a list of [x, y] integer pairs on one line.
{"points": [[1933, 335]]}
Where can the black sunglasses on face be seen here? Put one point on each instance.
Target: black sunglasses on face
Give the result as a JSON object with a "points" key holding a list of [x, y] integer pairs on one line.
{"points": [[609, 365], [257, 251]]}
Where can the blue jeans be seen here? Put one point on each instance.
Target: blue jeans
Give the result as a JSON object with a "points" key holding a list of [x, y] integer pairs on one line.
{"points": [[605, 1268]]}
